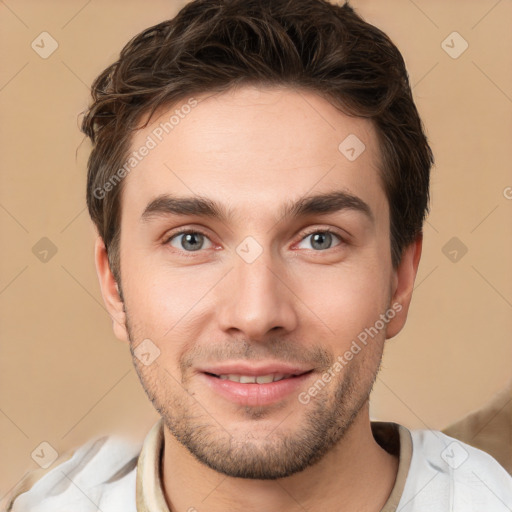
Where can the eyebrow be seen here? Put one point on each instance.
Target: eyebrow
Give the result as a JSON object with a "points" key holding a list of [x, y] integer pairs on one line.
{"points": [[319, 204]]}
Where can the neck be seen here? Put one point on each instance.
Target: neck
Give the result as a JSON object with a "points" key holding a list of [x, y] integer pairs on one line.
{"points": [[357, 474]]}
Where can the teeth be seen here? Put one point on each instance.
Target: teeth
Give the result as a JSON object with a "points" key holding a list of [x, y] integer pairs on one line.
{"points": [[251, 379], [264, 379]]}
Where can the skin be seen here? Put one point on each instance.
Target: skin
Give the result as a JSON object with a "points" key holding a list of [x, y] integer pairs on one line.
{"points": [[254, 150]]}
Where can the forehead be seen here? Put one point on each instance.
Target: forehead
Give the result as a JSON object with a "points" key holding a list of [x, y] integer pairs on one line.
{"points": [[254, 146]]}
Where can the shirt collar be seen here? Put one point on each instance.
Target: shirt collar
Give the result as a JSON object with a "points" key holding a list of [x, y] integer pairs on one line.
{"points": [[149, 492], [394, 438]]}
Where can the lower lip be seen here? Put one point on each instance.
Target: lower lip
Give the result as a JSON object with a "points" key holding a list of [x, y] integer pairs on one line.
{"points": [[256, 394]]}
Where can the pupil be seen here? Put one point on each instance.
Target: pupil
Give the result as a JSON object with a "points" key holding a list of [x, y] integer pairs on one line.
{"points": [[323, 239], [191, 242]]}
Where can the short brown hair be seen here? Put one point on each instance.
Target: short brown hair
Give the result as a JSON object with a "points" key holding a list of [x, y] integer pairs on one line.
{"points": [[216, 45]]}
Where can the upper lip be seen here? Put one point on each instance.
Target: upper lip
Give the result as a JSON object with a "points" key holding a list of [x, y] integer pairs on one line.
{"points": [[254, 369]]}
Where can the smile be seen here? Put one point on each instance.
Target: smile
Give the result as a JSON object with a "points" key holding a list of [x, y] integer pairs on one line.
{"points": [[255, 390], [255, 379]]}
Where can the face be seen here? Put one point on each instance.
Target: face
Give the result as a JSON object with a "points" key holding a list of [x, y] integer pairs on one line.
{"points": [[255, 254]]}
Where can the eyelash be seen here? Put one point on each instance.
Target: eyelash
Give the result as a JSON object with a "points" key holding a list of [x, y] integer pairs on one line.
{"points": [[325, 230], [186, 231]]}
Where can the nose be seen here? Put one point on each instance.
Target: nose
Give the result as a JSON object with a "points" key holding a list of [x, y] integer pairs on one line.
{"points": [[256, 299]]}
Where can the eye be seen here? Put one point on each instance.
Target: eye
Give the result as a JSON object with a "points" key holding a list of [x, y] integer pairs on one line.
{"points": [[189, 241], [321, 239]]}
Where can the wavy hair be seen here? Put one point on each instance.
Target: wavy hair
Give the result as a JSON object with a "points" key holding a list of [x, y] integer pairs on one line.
{"points": [[216, 45]]}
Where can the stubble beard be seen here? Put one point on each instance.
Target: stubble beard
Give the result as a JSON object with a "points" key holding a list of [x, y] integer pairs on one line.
{"points": [[284, 451]]}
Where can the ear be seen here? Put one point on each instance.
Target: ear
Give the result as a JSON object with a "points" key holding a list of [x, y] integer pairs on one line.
{"points": [[110, 291], [403, 284]]}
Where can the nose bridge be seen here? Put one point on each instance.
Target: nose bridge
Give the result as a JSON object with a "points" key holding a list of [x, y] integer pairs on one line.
{"points": [[255, 299]]}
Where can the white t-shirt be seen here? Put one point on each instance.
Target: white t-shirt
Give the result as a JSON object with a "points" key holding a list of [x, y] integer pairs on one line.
{"points": [[436, 473]]}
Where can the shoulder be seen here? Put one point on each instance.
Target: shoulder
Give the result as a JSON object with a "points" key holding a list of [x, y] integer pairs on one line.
{"points": [[99, 475], [489, 427], [455, 476]]}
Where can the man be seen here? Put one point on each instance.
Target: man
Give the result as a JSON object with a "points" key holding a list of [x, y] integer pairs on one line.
{"points": [[259, 179]]}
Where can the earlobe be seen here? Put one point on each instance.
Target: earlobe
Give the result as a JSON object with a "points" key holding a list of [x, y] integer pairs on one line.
{"points": [[404, 277], [110, 291]]}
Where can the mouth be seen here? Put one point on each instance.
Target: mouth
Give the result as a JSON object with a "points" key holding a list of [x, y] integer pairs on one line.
{"points": [[257, 379], [255, 387]]}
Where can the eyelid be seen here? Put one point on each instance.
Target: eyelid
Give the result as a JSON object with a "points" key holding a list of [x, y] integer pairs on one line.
{"points": [[318, 229], [183, 231], [312, 231], [323, 229]]}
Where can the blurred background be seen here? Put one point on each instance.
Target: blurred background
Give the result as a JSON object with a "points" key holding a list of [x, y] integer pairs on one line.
{"points": [[65, 378]]}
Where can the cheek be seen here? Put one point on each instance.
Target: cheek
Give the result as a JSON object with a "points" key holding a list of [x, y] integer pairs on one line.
{"points": [[345, 299], [171, 308], [160, 297]]}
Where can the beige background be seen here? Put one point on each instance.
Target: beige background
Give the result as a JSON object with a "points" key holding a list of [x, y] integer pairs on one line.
{"points": [[64, 378]]}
